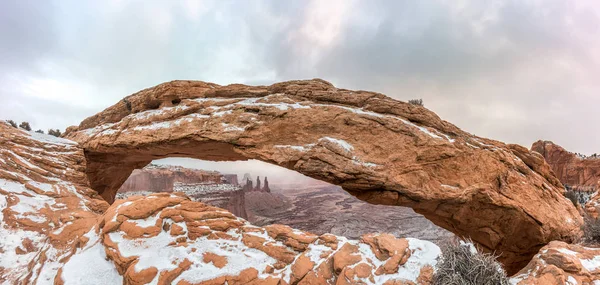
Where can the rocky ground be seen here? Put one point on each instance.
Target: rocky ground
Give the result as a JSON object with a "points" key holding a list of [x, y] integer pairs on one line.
{"points": [[324, 208]]}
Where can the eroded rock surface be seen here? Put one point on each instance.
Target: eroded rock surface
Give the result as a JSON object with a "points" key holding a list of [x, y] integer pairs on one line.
{"points": [[167, 238], [381, 150], [574, 170], [561, 263], [54, 229], [45, 204]]}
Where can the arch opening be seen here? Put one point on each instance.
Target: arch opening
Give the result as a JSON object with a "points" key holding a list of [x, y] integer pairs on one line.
{"points": [[266, 194]]}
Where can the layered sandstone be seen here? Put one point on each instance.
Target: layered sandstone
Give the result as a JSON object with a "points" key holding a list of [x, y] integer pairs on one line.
{"points": [[54, 229], [574, 170], [46, 205], [383, 151]]}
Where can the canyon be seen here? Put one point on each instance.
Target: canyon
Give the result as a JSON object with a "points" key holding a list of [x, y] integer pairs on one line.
{"points": [[210, 187], [59, 212], [312, 206]]}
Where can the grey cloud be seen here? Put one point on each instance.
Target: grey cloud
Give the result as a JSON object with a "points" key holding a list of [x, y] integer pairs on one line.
{"points": [[528, 74]]}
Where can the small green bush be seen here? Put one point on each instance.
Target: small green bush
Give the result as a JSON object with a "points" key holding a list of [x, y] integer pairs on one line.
{"points": [[12, 123], [462, 264], [39, 131]]}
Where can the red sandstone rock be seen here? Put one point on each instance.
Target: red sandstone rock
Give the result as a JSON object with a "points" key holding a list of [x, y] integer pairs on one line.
{"points": [[46, 206], [561, 263], [571, 169], [55, 229], [381, 150]]}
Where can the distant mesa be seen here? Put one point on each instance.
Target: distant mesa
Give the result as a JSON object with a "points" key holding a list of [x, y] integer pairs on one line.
{"points": [[211, 187]]}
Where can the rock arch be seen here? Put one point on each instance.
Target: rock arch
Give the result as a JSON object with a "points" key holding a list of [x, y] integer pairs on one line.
{"points": [[381, 150]]}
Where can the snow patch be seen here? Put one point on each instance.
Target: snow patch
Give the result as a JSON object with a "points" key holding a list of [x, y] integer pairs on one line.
{"points": [[51, 139], [90, 265], [345, 145], [591, 264]]}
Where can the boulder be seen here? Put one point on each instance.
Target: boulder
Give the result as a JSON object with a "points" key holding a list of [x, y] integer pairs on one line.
{"points": [[561, 263]]}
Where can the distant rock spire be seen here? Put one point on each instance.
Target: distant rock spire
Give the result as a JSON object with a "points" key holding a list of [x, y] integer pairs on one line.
{"points": [[266, 186], [257, 183]]}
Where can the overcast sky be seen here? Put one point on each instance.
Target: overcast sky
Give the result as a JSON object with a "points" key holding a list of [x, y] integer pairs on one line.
{"points": [[515, 71]]}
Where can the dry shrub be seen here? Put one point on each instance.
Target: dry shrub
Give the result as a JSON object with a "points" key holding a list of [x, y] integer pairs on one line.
{"points": [[462, 264], [418, 102], [591, 230]]}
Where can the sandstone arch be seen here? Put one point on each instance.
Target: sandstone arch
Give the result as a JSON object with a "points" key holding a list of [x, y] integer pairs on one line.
{"points": [[381, 150]]}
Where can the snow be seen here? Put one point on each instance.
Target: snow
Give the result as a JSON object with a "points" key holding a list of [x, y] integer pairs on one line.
{"points": [[359, 111], [168, 124], [345, 145], [422, 129], [221, 113], [24, 161], [29, 204], [98, 129], [152, 113], [147, 222], [228, 128], [424, 253], [301, 148], [280, 106], [156, 252], [472, 145], [365, 164], [191, 189], [314, 252], [571, 281], [3, 205], [154, 126], [591, 264], [16, 264], [516, 279], [471, 246], [567, 251], [51, 139], [90, 266], [449, 187]]}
